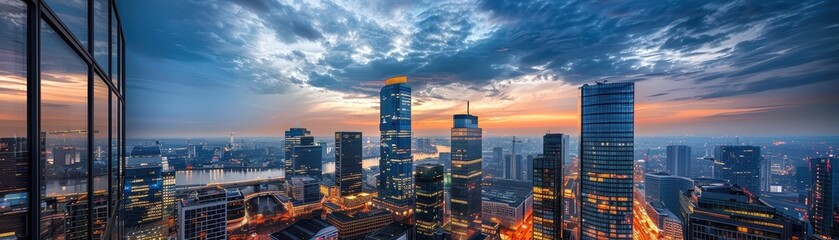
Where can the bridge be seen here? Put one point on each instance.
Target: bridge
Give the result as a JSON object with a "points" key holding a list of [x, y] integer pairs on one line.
{"points": [[243, 183]]}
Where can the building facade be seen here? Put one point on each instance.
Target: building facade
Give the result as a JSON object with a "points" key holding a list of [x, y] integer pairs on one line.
{"points": [[63, 67], [430, 194], [679, 160], [606, 160], [357, 225], [547, 188], [295, 136], [665, 188], [466, 177], [395, 161], [740, 165], [203, 215], [348, 158], [824, 198], [307, 161]]}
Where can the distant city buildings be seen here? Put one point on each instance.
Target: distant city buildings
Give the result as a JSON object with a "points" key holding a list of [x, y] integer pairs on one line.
{"points": [[547, 188], [740, 165], [679, 160], [466, 177], [396, 185], [606, 161], [824, 198], [665, 188], [348, 167], [430, 196]]}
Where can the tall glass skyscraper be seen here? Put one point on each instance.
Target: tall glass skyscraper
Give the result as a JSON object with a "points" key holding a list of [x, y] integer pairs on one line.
{"points": [[429, 202], [740, 165], [295, 136], [307, 161], [547, 187], [824, 198], [396, 165], [61, 123], [466, 177], [678, 160], [348, 162], [606, 160]]}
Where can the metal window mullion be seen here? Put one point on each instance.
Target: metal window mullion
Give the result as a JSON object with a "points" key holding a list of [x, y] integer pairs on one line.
{"points": [[33, 116], [90, 121]]}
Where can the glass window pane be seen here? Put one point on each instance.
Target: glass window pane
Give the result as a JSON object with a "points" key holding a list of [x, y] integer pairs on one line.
{"points": [[101, 152], [14, 163], [64, 132], [115, 51], [73, 13], [115, 163], [100, 33]]}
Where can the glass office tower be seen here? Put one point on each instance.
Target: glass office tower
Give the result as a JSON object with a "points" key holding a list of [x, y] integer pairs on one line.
{"points": [[62, 105], [295, 136], [741, 165], [348, 162], [429, 205], [466, 177], [824, 198], [679, 160], [547, 188], [396, 162], [307, 161], [606, 160]]}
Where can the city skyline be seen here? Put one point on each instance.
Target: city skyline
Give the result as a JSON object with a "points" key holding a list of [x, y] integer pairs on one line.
{"points": [[735, 69]]}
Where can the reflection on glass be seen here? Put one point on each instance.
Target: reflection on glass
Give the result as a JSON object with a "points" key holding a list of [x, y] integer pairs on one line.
{"points": [[64, 132], [14, 166], [100, 33], [101, 153], [73, 13], [115, 73]]}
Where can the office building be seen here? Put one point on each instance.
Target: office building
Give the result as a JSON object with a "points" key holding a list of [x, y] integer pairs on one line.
{"points": [[143, 196], [307, 161], [235, 206], [606, 160], [396, 162], [393, 231], [295, 136], [348, 162], [466, 177], [740, 165], [203, 215], [168, 192], [679, 160], [307, 229], [357, 225], [62, 102], [510, 167], [824, 198], [547, 188], [730, 212], [666, 188], [76, 218], [303, 190], [498, 154], [506, 202], [428, 211]]}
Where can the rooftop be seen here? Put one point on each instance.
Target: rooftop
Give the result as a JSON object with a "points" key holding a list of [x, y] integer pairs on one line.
{"points": [[392, 231], [346, 216], [303, 229]]}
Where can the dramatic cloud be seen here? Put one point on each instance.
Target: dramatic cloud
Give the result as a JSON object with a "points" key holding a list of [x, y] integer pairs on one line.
{"points": [[334, 54]]}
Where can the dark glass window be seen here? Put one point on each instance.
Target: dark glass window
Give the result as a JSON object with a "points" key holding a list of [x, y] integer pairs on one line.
{"points": [[64, 85], [100, 33], [115, 52], [14, 161], [73, 13], [101, 154]]}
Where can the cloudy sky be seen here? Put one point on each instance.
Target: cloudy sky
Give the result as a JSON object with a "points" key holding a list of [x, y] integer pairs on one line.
{"points": [[205, 68]]}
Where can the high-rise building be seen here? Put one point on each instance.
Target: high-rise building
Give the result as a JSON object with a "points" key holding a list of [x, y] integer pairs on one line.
{"points": [[606, 160], [740, 165], [235, 206], [729, 212], [665, 188], [295, 136], [509, 167], [466, 177], [547, 188], [429, 200], [63, 81], [169, 178], [395, 161], [203, 215], [519, 166], [348, 166], [824, 198], [307, 161], [679, 160], [303, 190], [143, 196], [498, 154]]}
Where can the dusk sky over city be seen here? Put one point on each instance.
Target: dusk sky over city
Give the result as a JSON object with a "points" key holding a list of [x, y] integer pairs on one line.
{"points": [[205, 68]]}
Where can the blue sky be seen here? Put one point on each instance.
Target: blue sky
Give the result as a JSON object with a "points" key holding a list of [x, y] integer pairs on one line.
{"points": [[205, 68]]}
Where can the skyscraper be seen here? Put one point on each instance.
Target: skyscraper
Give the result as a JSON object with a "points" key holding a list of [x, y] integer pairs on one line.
{"points": [[395, 161], [348, 162], [606, 160], [143, 196], [665, 188], [824, 198], [740, 165], [678, 160], [295, 136], [547, 188], [466, 177], [509, 167], [429, 201], [307, 161]]}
